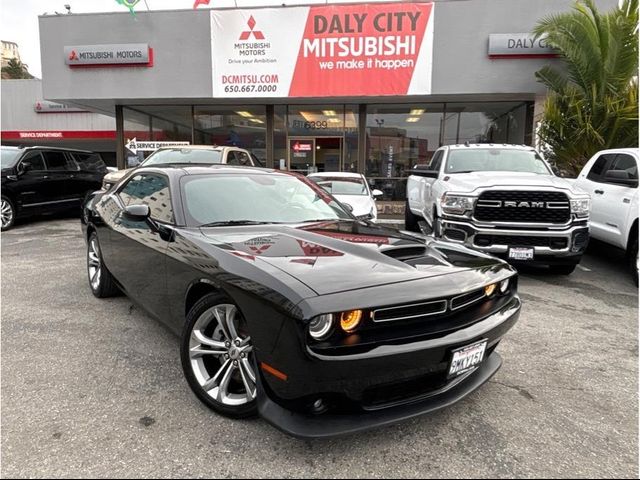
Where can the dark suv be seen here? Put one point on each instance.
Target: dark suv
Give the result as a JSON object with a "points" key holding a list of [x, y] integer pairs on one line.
{"points": [[37, 180]]}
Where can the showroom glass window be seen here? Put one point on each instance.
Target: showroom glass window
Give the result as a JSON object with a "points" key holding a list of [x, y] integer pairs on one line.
{"points": [[495, 122], [149, 189], [398, 138], [240, 126]]}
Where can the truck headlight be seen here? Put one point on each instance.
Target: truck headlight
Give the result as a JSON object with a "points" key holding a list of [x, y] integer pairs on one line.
{"points": [[580, 207], [457, 204]]}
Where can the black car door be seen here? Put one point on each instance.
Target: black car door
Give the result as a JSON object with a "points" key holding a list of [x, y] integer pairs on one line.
{"points": [[137, 249], [31, 186], [91, 169], [61, 170]]}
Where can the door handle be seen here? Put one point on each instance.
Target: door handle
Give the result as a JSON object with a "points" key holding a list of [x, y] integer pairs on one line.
{"points": [[598, 192], [45, 176]]}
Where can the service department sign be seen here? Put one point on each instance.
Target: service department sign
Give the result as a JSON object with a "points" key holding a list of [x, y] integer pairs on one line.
{"points": [[129, 54], [519, 45]]}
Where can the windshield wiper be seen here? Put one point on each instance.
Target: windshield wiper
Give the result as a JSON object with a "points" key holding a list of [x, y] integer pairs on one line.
{"points": [[326, 220], [227, 223], [463, 171]]}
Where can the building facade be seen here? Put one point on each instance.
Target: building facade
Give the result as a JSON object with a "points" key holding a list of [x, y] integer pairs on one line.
{"points": [[369, 87]]}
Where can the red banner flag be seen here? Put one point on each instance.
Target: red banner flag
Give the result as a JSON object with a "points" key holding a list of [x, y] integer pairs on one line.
{"points": [[200, 2]]}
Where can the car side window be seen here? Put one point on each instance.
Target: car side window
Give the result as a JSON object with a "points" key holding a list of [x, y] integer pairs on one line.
{"points": [[232, 158], [436, 161], [626, 163], [149, 189], [58, 161], [91, 162], [244, 158], [597, 169], [35, 160]]}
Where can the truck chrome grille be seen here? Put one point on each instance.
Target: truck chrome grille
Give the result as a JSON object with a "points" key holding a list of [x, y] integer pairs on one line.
{"points": [[523, 207]]}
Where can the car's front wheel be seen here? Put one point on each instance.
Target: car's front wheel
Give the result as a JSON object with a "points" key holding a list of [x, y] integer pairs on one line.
{"points": [[7, 213], [100, 280], [217, 357]]}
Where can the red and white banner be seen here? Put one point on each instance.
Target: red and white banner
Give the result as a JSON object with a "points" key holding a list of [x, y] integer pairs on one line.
{"points": [[323, 51]]}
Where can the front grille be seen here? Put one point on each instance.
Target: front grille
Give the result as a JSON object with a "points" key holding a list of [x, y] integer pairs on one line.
{"points": [[403, 390], [404, 312], [490, 207], [520, 241], [466, 299]]}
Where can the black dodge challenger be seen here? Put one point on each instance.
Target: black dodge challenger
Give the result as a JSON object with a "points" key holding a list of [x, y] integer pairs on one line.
{"points": [[289, 307]]}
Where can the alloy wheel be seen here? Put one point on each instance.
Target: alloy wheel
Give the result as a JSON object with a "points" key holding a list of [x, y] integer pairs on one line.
{"points": [[6, 213], [94, 265], [219, 353]]}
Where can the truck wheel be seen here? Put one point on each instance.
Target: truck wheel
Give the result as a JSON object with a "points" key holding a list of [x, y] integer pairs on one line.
{"points": [[632, 257], [562, 269], [410, 220]]}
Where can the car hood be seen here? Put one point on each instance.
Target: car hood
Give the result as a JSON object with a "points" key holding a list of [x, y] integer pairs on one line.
{"points": [[340, 256], [361, 203], [470, 182]]}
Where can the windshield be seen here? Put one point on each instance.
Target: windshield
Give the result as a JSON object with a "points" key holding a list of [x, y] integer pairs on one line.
{"points": [[342, 185], [9, 157], [238, 198], [183, 155], [495, 160]]}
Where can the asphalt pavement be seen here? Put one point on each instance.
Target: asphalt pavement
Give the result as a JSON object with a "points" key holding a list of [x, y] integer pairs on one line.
{"points": [[94, 388]]}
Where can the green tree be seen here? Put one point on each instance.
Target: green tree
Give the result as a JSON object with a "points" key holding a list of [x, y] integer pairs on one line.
{"points": [[593, 102], [15, 69]]}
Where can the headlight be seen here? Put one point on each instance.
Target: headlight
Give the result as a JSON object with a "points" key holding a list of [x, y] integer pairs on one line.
{"points": [[456, 204], [504, 285], [489, 289], [349, 321], [320, 327], [580, 207]]}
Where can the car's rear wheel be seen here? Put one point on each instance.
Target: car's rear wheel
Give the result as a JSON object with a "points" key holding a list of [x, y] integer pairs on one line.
{"points": [[100, 280], [217, 357], [7, 213], [562, 269]]}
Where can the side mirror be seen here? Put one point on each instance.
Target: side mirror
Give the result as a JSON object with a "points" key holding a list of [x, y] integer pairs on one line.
{"points": [[348, 207], [424, 173], [377, 193], [137, 213], [24, 167]]}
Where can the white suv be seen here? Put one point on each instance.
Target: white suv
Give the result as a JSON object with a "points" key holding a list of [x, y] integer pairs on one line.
{"points": [[611, 178]]}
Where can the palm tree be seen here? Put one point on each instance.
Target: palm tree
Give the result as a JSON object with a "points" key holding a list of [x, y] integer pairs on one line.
{"points": [[593, 102], [15, 69]]}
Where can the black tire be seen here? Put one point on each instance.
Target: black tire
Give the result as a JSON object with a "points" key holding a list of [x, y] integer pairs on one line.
{"points": [[7, 203], [206, 303], [410, 220], [104, 285], [562, 269], [632, 256], [436, 227]]}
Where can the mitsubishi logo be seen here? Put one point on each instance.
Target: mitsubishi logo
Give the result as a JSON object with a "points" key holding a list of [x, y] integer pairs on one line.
{"points": [[73, 56], [257, 34]]}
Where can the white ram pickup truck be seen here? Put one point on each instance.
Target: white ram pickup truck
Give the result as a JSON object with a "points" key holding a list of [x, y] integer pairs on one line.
{"points": [[611, 178], [501, 199]]}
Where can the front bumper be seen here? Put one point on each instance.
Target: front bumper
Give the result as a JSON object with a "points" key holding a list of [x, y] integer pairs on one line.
{"points": [[569, 242], [352, 378]]}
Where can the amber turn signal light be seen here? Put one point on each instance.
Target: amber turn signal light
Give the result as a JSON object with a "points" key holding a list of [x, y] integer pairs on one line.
{"points": [[350, 320], [489, 289]]}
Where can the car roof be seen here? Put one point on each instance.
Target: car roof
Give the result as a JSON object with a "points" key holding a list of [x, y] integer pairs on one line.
{"points": [[198, 147], [336, 174], [36, 147], [181, 169], [618, 150], [489, 145]]}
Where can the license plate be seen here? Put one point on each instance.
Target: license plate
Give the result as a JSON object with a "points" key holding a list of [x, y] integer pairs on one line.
{"points": [[467, 358], [521, 253]]}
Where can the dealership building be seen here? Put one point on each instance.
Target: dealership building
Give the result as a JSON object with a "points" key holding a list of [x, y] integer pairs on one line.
{"points": [[371, 87]]}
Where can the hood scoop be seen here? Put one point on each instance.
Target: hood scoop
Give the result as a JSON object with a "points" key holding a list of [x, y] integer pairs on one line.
{"points": [[404, 253]]}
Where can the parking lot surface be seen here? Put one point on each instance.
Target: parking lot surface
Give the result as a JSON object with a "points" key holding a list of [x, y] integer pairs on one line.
{"points": [[94, 388]]}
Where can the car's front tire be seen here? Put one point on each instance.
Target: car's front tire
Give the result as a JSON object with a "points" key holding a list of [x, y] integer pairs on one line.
{"points": [[632, 256], [7, 213], [100, 279], [217, 357], [562, 269]]}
